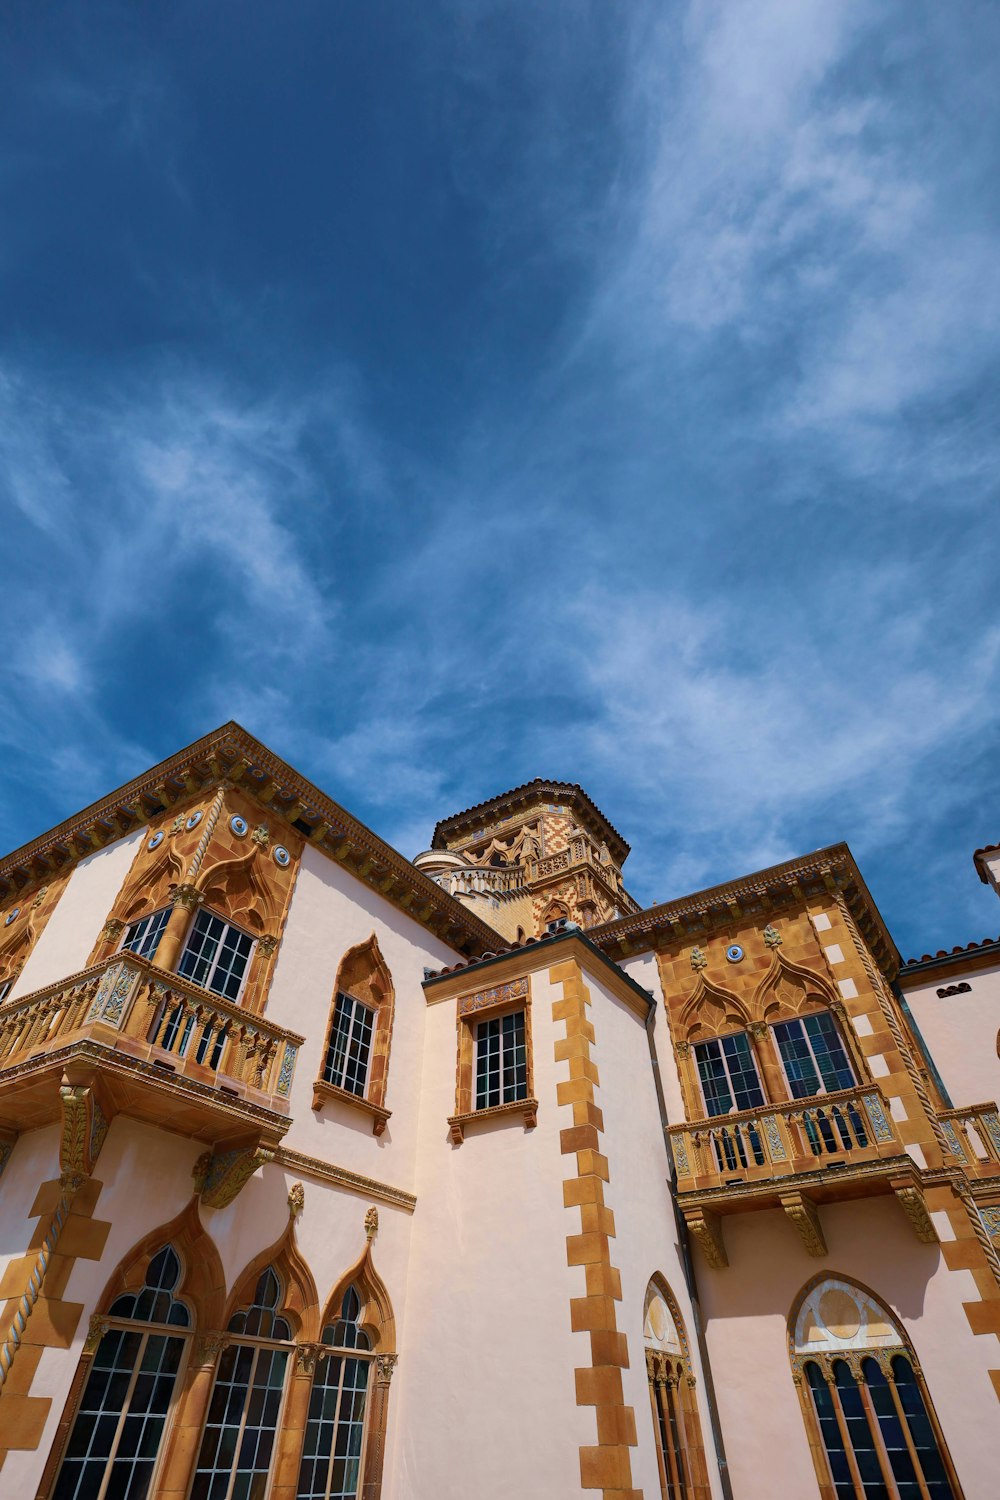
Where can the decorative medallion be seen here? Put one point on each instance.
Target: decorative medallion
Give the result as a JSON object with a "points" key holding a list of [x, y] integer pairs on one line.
{"points": [[194, 819], [282, 858], [698, 959], [156, 840], [239, 825], [734, 953], [16, 912]]}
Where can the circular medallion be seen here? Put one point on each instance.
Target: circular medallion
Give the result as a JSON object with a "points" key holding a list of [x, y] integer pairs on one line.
{"points": [[11, 915], [282, 856], [156, 840], [194, 820], [734, 953], [239, 826]]}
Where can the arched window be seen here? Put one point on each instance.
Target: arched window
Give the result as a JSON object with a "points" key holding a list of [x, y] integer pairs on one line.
{"points": [[334, 1442], [238, 1441], [115, 1438], [679, 1450], [359, 1038], [873, 1430]]}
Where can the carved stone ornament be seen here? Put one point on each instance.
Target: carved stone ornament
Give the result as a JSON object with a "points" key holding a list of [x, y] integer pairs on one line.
{"points": [[96, 1330], [187, 896], [296, 1199], [261, 835], [758, 1030], [112, 929], [698, 959], [384, 1366], [306, 1356], [219, 1178], [371, 1223], [913, 1203], [177, 826], [209, 1346], [267, 945], [803, 1214], [772, 937], [707, 1230], [43, 891]]}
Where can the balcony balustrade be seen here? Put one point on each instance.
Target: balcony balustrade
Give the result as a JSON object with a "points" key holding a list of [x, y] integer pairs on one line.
{"points": [[842, 1135], [973, 1135], [165, 1050]]}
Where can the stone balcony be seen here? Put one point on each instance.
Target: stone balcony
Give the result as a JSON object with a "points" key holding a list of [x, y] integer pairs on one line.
{"points": [[795, 1156], [973, 1135], [154, 1047]]}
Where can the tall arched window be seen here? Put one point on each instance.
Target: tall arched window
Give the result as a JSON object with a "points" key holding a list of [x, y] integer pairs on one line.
{"points": [[238, 1441], [115, 1438], [873, 1431], [680, 1453], [334, 1442]]}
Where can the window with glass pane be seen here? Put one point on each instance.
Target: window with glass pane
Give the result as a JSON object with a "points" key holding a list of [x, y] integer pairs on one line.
{"points": [[813, 1056], [334, 1442], [501, 1060], [350, 1045], [118, 1428], [216, 955], [143, 937], [728, 1074], [238, 1442]]}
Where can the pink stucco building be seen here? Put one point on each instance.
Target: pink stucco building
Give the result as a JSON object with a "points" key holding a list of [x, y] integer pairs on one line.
{"points": [[327, 1174]]}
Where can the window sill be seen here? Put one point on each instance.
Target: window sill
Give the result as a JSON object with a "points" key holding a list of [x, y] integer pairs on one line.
{"points": [[526, 1108], [322, 1091]]}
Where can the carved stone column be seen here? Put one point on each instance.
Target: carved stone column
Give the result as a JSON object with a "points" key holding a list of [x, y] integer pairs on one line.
{"points": [[185, 901], [291, 1434], [378, 1395], [184, 1437], [775, 1088]]}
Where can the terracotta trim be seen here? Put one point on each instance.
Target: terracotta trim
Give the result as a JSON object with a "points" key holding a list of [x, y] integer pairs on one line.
{"points": [[607, 1465]]}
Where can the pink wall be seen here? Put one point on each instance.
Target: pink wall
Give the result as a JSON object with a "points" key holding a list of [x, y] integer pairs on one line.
{"points": [[961, 1032]]}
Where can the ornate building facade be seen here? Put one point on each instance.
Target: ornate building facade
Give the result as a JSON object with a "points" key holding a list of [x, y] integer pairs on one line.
{"points": [[328, 1174]]}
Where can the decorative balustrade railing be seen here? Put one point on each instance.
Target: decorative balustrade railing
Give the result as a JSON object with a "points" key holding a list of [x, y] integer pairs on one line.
{"points": [[184, 1027], [778, 1140], [973, 1135]]}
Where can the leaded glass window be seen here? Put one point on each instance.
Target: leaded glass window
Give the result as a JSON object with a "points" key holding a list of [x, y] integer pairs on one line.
{"points": [[501, 1060], [728, 1074], [216, 955], [143, 936], [115, 1439], [350, 1045], [238, 1442], [333, 1450], [813, 1056]]}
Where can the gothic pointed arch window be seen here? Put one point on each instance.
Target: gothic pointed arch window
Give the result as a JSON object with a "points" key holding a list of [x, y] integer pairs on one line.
{"points": [[359, 1037], [680, 1453], [872, 1428], [117, 1431], [238, 1440], [333, 1451]]}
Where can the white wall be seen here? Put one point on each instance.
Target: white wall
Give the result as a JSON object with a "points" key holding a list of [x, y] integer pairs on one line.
{"points": [[961, 1032], [81, 911]]}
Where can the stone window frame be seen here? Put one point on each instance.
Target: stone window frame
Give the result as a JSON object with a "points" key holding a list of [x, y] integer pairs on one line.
{"points": [[674, 1405], [376, 979], [486, 1005]]}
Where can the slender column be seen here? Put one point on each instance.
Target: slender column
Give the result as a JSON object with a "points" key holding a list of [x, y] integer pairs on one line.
{"points": [[693, 1107], [904, 1424], [371, 1488], [185, 900], [878, 1442], [184, 1438], [775, 1088], [661, 1458], [292, 1431], [845, 1436]]}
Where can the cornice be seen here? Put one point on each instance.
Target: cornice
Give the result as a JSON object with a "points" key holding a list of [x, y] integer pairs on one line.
{"points": [[984, 954], [326, 1171], [794, 883], [500, 968], [231, 753]]}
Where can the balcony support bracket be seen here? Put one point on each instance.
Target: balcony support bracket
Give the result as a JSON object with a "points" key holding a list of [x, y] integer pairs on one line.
{"points": [[805, 1216], [915, 1209], [706, 1228], [220, 1176]]}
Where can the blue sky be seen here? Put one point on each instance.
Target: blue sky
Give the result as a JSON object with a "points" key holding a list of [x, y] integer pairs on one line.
{"points": [[464, 392]]}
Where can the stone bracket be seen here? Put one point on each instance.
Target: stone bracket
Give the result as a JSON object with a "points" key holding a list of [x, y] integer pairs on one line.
{"points": [[220, 1176], [84, 1127], [915, 1208], [805, 1216], [706, 1228]]}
